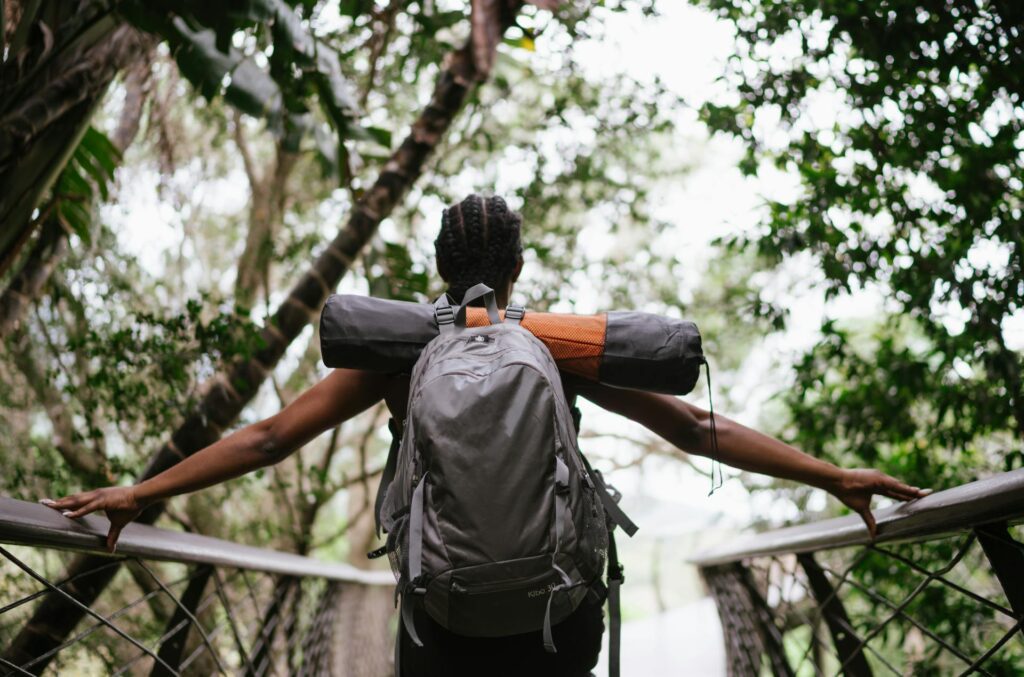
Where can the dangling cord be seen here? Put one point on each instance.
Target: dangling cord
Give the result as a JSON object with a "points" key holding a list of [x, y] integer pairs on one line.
{"points": [[714, 437]]}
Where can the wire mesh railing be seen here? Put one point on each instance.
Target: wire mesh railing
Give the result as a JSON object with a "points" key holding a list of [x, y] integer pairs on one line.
{"points": [[179, 604], [939, 592]]}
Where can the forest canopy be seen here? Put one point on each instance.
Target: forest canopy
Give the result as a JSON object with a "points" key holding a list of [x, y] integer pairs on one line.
{"points": [[182, 184]]}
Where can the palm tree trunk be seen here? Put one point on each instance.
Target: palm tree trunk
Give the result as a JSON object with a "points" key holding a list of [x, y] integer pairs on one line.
{"points": [[228, 393], [124, 47], [51, 111]]}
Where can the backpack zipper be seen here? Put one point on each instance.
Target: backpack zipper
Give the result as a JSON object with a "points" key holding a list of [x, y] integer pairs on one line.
{"points": [[498, 586]]}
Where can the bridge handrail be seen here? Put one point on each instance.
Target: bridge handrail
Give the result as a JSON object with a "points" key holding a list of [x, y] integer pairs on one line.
{"points": [[23, 523], [822, 595], [995, 499]]}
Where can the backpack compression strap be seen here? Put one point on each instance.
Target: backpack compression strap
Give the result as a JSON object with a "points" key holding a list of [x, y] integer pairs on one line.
{"points": [[389, 471], [615, 579], [411, 586]]}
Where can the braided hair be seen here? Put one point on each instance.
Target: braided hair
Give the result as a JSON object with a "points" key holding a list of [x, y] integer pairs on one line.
{"points": [[479, 241]]}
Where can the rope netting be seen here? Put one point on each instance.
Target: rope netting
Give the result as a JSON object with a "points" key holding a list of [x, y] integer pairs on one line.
{"points": [[949, 606], [168, 618]]}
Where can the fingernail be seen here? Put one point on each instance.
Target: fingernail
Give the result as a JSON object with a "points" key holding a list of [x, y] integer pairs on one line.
{"points": [[66, 513], [926, 491], [47, 501]]}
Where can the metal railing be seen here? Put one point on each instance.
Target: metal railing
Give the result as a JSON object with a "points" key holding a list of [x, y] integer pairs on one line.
{"points": [[183, 604], [939, 592]]}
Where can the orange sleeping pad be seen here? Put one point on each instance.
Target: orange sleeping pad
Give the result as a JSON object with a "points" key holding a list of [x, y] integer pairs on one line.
{"points": [[575, 341]]}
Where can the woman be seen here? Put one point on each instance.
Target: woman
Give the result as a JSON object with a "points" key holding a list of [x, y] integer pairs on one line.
{"points": [[479, 241]]}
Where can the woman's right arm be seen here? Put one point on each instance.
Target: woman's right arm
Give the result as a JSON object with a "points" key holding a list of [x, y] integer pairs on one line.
{"points": [[341, 395]]}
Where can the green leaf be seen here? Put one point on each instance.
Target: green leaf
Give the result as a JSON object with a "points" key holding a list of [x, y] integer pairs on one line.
{"points": [[327, 147], [377, 135], [524, 42], [76, 218], [252, 91], [354, 8], [100, 148], [199, 59], [73, 184], [333, 88]]}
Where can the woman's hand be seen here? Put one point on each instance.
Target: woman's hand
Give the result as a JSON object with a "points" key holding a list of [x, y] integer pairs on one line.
{"points": [[856, 487], [120, 504]]}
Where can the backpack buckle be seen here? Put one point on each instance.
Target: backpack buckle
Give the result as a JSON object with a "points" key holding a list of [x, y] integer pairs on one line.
{"points": [[514, 313], [444, 315]]}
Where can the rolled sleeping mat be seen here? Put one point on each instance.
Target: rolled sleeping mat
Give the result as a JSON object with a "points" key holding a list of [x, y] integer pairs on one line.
{"points": [[625, 349]]}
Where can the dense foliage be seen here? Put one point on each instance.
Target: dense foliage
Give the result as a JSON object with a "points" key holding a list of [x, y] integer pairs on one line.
{"points": [[902, 123], [253, 132]]}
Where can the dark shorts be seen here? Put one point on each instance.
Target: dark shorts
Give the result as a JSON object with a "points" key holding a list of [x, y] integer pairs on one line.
{"points": [[445, 654]]}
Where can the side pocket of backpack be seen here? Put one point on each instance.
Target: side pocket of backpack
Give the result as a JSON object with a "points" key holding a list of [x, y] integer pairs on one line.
{"points": [[594, 533], [397, 545]]}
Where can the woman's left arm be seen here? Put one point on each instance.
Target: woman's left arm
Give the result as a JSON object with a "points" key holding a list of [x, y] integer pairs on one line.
{"points": [[689, 428]]}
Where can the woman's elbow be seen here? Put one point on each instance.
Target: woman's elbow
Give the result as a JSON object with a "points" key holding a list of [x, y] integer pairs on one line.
{"points": [[690, 428], [268, 443]]}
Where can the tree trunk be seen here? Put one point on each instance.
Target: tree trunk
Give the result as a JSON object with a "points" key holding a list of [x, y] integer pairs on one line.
{"points": [[47, 112], [24, 287], [51, 243], [228, 393], [266, 211]]}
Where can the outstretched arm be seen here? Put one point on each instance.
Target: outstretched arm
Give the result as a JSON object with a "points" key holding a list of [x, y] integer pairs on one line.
{"points": [[338, 397], [689, 428]]}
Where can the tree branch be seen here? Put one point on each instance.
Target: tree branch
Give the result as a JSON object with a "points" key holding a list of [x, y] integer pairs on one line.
{"points": [[230, 392], [88, 464]]}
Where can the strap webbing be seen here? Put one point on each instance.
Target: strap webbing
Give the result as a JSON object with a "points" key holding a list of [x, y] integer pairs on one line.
{"points": [[615, 579], [561, 493], [398, 649], [611, 508], [389, 471], [407, 618], [561, 500], [416, 533], [549, 638], [415, 559], [477, 291]]}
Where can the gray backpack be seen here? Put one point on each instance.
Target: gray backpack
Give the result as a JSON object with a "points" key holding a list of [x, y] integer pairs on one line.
{"points": [[496, 523]]}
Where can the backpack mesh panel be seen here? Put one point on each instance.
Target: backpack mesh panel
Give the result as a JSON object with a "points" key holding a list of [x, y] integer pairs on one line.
{"points": [[397, 553]]}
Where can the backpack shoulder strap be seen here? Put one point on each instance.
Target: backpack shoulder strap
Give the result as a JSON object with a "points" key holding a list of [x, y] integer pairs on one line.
{"points": [[606, 495], [615, 576], [389, 470], [577, 415], [615, 579]]}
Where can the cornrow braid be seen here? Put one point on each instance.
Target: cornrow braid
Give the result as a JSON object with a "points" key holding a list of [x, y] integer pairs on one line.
{"points": [[479, 241]]}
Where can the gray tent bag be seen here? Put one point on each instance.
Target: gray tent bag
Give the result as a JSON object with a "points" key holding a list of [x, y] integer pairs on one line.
{"points": [[496, 523]]}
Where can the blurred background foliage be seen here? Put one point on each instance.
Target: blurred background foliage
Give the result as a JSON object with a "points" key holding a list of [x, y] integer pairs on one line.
{"points": [[249, 130], [903, 122]]}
